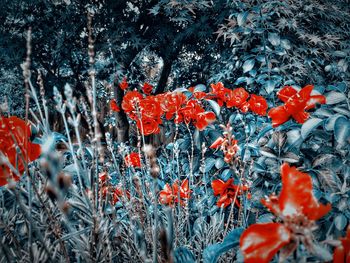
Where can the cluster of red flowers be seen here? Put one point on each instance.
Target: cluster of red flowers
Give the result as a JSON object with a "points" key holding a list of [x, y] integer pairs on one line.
{"points": [[239, 98], [295, 105], [298, 209], [175, 194], [114, 192], [228, 192], [16, 146], [147, 110]]}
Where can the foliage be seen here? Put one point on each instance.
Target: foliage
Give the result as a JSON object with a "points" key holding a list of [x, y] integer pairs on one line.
{"points": [[200, 154]]}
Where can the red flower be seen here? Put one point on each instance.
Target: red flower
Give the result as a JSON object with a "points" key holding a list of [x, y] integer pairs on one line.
{"points": [[150, 108], [204, 119], [133, 159], [227, 144], [298, 209], [130, 103], [171, 104], [119, 192], [103, 177], [296, 104], [170, 195], [14, 133], [219, 92], [147, 88], [228, 192], [238, 98], [114, 106], [148, 126], [257, 104], [342, 252], [124, 84]]}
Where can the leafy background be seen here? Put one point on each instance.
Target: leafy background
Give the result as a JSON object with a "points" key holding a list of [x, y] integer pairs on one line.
{"points": [[261, 45]]}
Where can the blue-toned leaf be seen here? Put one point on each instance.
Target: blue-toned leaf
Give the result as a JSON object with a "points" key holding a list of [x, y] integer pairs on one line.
{"points": [[309, 126], [183, 255], [274, 39], [342, 130], [215, 106], [213, 252], [334, 97], [248, 65]]}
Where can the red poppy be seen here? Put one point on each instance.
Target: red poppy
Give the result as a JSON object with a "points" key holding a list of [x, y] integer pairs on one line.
{"points": [[170, 195], [257, 104], [147, 88], [227, 191], [342, 252], [124, 84], [296, 206], [14, 133], [114, 106], [130, 103], [133, 160], [296, 104], [238, 98]]}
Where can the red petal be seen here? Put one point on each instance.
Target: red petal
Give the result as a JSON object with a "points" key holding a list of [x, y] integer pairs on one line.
{"points": [[217, 143], [297, 196], [305, 92], [339, 255], [301, 116], [279, 115], [260, 242], [285, 93], [218, 186]]}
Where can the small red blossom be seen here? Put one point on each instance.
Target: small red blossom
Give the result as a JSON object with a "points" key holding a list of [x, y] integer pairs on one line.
{"points": [[298, 209], [170, 194], [342, 253], [227, 191], [114, 193], [258, 104], [124, 84], [103, 177], [15, 133], [147, 88], [219, 92], [296, 104], [114, 106], [131, 102], [227, 144], [133, 160], [238, 98], [171, 104]]}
